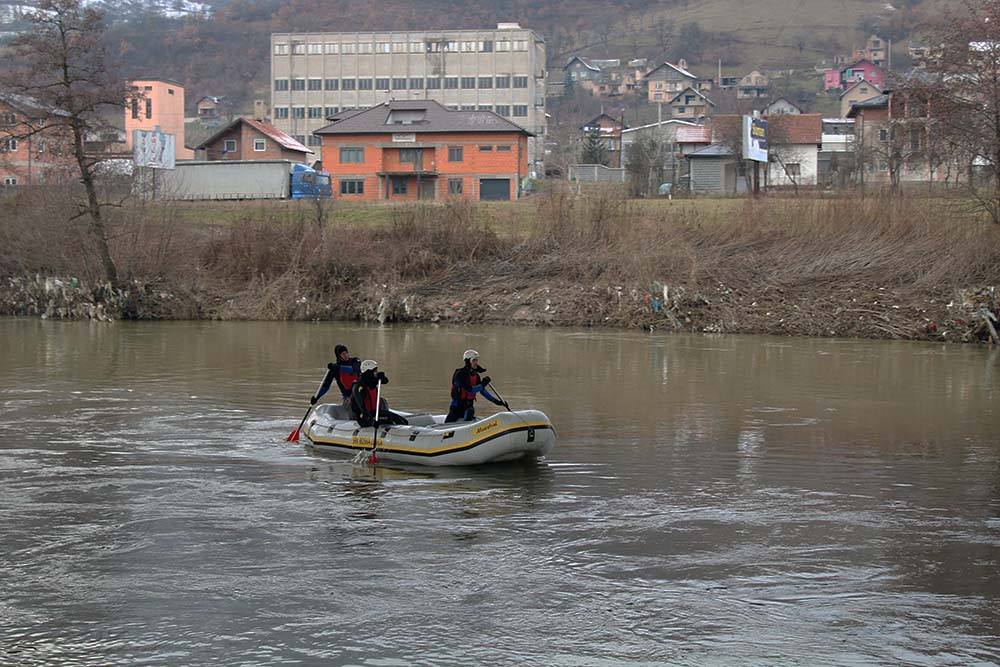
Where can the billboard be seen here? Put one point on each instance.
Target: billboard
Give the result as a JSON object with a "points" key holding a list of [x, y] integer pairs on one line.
{"points": [[153, 148], [754, 139]]}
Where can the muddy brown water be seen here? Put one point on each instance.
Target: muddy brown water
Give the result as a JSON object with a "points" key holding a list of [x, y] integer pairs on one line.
{"points": [[724, 500]]}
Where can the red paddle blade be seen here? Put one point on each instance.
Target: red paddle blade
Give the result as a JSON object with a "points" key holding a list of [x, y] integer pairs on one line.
{"points": [[293, 436]]}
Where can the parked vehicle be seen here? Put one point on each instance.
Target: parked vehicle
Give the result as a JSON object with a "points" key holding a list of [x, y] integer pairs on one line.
{"points": [[241, 179]]}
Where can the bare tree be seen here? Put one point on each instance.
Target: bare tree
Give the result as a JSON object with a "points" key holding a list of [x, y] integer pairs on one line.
{"points": [[958, 102], [60, 64]]}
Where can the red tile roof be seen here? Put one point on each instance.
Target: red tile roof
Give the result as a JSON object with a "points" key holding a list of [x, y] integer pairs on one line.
{"points": [[694, 135], [806, 128], [267, 130]]}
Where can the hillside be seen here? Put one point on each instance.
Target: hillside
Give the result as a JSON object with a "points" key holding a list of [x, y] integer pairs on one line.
{"points": [[223, 50]]}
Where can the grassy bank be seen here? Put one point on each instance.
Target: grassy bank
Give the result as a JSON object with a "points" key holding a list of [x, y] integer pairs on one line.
{"points": [[882, 268]]}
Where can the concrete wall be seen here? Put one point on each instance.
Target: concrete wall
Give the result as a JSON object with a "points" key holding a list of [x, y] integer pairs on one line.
{"points": [[805, 155]]}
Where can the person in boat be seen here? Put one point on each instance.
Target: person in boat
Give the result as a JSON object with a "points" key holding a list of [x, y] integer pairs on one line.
{"points": [[466, 383], [365, 394], [345, 371]]}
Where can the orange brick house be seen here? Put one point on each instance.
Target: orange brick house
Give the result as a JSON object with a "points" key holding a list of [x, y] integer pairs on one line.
{"points": [[250, 139], [418, 149], [30, 152]]}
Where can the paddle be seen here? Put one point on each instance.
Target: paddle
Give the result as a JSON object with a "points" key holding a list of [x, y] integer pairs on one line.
{"points": [[505, 404], [378, 404], [294, 435]]}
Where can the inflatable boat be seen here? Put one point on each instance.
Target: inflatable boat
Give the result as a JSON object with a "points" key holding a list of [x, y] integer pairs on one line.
{"points": [[427, 440]]}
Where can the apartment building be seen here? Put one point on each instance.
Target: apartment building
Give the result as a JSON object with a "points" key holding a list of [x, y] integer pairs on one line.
{"points": [[315, 76], [158, 103]]}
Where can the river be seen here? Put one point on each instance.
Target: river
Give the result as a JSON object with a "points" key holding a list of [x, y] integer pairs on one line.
{"points": [[724, 500]]}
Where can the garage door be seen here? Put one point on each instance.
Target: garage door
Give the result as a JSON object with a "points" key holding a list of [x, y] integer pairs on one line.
{"points": [[494, 189]]}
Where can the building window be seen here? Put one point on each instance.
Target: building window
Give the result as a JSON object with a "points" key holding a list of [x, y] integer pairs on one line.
{"points": [[9, 146], [298, 84], [449, 46], [681, 109], [366, 47], [382, 84], [451, 82], [281, 84], [503, 149], [229, 146], [454, 153], [883, 134], [352, 187], [399, 83], [503, 45], [520, 45], [399, 185], [520, 110], [281, 112], [348, 84], [503, 82], [408, 155], [468, 82], [149, 108], [301, 138], [520, 82], [315, 49], [135, 108], [348, 49], [315, 84], [298, 48], [170, 91], [485, 149], [365, 84], [383, 47], [883, 165], [315, 112], [468, 47], [298, 112], [330, 111], [914, 139], [259, 145], [793, 169], [416, 47], [9, 119], [485, 107], [352, 155], [331, 49], [433, 84], [486, 46], [281, 49], [416, 83], [454, 186], [399, 47], [332, 84], [433, 47], [467, 107], [486, 82], [503, 109], [315, 141]]}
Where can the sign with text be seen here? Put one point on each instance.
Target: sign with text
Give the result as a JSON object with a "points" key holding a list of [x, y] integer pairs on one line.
{"points": [[153, 149], [754, 139], [404, 137]]}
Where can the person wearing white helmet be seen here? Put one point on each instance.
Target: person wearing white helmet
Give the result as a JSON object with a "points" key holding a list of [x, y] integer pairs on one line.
{"points": [[364, 396], [466, 383]]}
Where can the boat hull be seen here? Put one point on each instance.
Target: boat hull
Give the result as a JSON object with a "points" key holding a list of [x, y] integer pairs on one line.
{"points": [[505, 436]]}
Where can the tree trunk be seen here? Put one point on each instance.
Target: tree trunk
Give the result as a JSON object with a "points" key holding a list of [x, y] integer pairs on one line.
{"points": [[97, 228]]}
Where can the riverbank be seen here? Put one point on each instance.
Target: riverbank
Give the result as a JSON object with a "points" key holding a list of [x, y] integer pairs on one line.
{"points": [[883, 268]]}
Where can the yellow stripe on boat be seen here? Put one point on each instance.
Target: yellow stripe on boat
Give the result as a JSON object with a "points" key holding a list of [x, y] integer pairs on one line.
{"points": [[362, 442]]}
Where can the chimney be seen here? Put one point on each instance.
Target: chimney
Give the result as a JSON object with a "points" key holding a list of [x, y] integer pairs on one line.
{"points": [[260, 111]]}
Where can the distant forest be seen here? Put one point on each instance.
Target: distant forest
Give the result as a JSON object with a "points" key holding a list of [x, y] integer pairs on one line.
{"points": [[226, 52]]}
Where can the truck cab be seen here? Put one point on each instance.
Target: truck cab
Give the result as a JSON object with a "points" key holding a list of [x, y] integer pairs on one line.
{"points": [[308, 183]]}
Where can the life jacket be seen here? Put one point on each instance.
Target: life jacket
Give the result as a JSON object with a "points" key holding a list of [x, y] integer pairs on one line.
{"points": [[347, 375], [458, 390], [370, 397]]}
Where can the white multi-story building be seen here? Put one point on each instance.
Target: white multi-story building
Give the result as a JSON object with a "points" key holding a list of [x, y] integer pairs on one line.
{"points": [[317, 75]]}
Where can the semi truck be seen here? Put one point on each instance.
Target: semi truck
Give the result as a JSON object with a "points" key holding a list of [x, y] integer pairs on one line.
{"points": [[241, 179]]}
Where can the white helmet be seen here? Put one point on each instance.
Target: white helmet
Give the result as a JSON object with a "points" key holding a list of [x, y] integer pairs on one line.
{"points": [[368, 365], [470, 355]]}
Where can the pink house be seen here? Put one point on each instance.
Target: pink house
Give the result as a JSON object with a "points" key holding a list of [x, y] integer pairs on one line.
{"points": [[862, 70]]}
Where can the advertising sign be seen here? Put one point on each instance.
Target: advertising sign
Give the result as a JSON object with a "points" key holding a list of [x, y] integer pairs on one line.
{"points": [[754, 139], [153, 148]]}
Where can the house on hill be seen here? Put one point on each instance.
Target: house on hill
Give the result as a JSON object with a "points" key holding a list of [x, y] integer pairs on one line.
{"points": [[753, 85], [30, 155], [419, 149], [665, 81], [251, 139], [794, 144], [609, 130], [861, 70], [781, 106], [858, 91], [690, 104]]}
